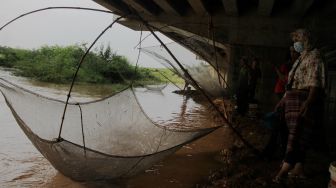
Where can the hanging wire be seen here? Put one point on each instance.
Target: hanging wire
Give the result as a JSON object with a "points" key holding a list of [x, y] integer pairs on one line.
{"points": [[239, 135], [77, 70], [212, 31]]}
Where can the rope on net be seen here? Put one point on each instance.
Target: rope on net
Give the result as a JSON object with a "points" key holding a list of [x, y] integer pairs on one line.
{"points": [[82, 126], [212, 31], [150, 28]]}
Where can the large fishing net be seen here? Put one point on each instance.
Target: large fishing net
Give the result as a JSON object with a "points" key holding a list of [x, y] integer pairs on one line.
{"points": [[108, 138], [206, 75], [120, 135]]}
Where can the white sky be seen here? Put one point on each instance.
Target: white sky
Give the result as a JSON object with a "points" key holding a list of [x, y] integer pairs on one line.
{"points": [[67, 27]]}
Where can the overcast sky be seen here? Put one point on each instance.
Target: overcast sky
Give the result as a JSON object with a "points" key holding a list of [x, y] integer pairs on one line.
{"points": [[67, 27]]}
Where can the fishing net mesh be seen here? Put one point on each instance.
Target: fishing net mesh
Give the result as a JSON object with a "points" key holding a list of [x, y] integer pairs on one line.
{"points": [[120, 135], [114, 137], [205, 74]]}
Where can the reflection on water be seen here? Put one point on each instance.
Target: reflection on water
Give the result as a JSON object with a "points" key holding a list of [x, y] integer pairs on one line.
{"points": [[174, 111], [21, 165]]}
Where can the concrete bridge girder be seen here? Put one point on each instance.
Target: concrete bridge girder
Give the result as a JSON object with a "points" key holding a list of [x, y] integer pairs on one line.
{"points": [[254, 28], [249, 23], [229, 17]]}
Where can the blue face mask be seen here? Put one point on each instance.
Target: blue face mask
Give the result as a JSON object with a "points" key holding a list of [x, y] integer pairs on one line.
{"points": [[298, 47]]}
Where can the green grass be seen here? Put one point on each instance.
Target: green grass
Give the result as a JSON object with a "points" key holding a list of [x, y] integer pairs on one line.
{"points": [[56, 64]]}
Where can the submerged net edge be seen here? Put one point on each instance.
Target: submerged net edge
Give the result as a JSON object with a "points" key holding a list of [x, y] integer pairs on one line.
{"points": [[32, 136], [83, 166], [167, 128]]}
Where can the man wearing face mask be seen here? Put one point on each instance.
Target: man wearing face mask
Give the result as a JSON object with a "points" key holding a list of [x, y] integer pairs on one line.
{"points": [[302, 103]]}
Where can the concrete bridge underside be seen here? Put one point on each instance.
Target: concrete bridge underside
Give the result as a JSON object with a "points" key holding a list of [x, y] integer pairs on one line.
{"points": [[238, 28], [232, 23]]}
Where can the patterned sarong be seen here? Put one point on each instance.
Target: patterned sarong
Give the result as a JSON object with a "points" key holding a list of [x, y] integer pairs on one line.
{"points": [[292, 104]]}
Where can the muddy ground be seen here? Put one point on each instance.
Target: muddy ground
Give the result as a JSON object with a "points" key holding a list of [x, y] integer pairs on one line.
{"points": [[241, 167]]}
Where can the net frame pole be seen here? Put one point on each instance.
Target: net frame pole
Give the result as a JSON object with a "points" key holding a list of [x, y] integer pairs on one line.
{"points": [[77, 70], [50, 8]]}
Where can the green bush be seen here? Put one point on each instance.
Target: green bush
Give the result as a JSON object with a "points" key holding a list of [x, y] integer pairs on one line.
{"points": [[58, 64]]}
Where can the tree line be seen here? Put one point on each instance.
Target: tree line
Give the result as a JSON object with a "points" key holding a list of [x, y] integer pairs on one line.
{"points": [[58, 64]]}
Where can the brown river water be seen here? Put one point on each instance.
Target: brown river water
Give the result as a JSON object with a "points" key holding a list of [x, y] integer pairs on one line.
{"points": [[21, 165]]}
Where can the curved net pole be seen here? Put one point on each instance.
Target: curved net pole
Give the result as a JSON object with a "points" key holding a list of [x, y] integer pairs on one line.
{"points": [[255, 150], [50, 8], [77, 70]]}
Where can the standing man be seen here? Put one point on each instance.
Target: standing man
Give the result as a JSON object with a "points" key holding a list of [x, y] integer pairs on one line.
{"points": [[302, 103]]}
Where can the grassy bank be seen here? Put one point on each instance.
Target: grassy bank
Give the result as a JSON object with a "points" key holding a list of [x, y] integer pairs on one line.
{"points": [[58, 64]]}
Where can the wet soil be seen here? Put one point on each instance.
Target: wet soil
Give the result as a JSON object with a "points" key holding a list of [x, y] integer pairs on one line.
{"points": [[187, 167]]}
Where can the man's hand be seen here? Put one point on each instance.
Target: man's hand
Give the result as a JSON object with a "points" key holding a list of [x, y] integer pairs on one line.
{"points": [[307, 104], [304, 108]]}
